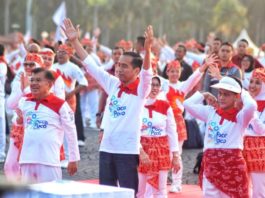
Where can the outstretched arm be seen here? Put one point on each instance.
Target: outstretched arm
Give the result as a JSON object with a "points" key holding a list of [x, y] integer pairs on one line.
{"points": [[101, 76], [245, 115], [144, 87], [149, 37], [72, 34], [258, 125], [194, 106], [194, 79]]}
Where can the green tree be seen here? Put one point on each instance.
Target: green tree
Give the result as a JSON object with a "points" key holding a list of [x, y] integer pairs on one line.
{"points": [[229, 17]]}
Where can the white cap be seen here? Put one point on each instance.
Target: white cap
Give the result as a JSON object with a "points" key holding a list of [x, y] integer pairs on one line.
{"points": [[229, 84]]}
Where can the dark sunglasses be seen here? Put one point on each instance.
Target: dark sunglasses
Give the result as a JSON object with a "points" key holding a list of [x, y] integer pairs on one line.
{"points": [[29, 64]]}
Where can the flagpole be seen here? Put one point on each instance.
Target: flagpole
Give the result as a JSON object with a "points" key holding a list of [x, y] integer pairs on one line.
{"points": [[29, 18]]}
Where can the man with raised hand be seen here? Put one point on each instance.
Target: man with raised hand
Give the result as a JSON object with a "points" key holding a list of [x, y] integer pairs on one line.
{"points": [[120, 146], [46, 120]]}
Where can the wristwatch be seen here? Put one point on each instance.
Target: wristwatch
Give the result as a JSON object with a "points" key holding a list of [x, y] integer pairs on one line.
{"points": [[98, 114]]}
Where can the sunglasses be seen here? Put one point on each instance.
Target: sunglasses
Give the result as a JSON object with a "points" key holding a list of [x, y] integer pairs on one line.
{"points": [[29, 65]]}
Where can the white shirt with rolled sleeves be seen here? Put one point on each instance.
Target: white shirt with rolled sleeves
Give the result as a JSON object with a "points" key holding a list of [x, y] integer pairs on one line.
{"points": [[228, 135], [70, 74], [45, 125], [123, 123], [161, 124]]}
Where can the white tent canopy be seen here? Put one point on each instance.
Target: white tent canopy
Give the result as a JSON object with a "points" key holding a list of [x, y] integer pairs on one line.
{"points": [[244, 35]]}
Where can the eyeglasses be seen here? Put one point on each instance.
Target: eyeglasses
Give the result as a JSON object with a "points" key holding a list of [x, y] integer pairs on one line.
{"points": [[155, 85], [61, 52], [29, 65]]}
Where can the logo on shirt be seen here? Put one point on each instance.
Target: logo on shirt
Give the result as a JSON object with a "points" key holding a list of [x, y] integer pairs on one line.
{"points": [[147, 125], [34, 122], [215, 135], [115, 109]]}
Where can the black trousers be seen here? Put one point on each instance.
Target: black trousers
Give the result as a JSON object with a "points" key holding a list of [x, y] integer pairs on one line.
{"points": [[79, 120]]}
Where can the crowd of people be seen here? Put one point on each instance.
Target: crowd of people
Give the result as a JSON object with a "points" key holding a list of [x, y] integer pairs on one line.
{"points": [[138, 96]]}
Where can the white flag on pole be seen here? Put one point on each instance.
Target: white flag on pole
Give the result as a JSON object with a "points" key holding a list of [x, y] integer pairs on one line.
{"points": [[58, 17]]}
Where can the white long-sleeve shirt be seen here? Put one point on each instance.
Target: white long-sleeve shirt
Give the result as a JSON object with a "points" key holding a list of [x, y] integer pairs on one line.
{"points": [[184, 87], [45, 124], [161, 123], [70, 74], [122, 125], [227, 134], [256, 126]]}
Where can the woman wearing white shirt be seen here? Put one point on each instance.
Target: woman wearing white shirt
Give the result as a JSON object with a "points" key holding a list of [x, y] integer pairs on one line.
{"points": [[159, 142], [254, 141]]}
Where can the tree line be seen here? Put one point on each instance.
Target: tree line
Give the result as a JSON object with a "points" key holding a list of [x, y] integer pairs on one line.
{"points": [[126, 19]]}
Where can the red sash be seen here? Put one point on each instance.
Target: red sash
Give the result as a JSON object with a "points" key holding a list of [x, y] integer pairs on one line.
{"points": [[254, 153], [157, 148], [226, 169]]}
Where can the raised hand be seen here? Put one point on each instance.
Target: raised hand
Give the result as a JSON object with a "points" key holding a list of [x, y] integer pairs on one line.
{"points": [[70, 31], [149, 37], [24, 81], [210, 99], [214, 72], [96, 32], [210, 60]]}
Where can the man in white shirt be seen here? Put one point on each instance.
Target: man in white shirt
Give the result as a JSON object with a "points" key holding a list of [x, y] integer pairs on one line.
{"points": [[70, 73], [120, 146], [46, 120]]}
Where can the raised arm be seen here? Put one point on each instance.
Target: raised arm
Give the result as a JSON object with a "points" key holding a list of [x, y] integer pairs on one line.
{"points": [[101, 76], [20, 86], [149, 36], [195, 107], [249, 107], [72, 34], [146, 73], [194, 79], [258, 125]]}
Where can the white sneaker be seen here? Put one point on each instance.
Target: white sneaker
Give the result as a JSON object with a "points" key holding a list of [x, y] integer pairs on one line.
{"points": [[175, 189], [81, 143], [64, 163]]}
